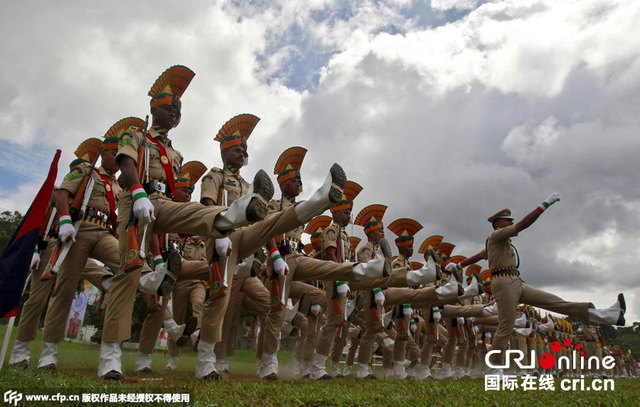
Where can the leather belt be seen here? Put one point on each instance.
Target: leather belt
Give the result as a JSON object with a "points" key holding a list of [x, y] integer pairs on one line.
{"points": [[510, 271], [294, 244], [157, 186], [97, 217], [289, 246], [97, 214]]}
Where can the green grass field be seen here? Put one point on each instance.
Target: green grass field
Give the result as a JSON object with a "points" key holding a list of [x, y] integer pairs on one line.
{"points": [[78, 366]]}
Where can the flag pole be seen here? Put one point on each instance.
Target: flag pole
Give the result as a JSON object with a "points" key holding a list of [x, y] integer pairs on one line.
{"points": [[5, 343], [12, 321]]}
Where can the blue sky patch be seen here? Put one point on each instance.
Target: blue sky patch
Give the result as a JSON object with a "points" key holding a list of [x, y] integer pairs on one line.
{"points": [[20, 165]]}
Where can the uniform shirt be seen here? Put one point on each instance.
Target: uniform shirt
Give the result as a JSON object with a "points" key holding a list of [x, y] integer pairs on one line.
{"points": [[499, 251], [315, 254], [98, 198], [274, 206], [367, 252], [193, 251], [132, 139], [234, 184], [400, 262], [330, 239]]}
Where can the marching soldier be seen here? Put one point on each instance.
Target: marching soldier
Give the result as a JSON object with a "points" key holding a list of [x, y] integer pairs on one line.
{"points": [[40, 289], [150, 158], [509, 290], [305, 348], [370, 218], [95, 237], [234, 154], [194, 253], [244, 242], [286, 264], [159, 315], [336, 248]]}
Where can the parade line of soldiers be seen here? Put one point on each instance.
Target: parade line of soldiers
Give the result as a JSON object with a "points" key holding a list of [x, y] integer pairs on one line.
{"points": [[240, 247]]}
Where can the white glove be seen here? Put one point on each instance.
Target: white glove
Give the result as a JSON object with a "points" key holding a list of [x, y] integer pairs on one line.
{"points": [[474, 329], [35, 261], [159, 266], [551, 199], [315, 309], [343, 290], [280, 267], [67, 233], [379, 298], [388, 343], [413, 326], [460, 321], [143, 210], [436, 316], [223, 246], [407, 310], [471, 320], [451, 267]]}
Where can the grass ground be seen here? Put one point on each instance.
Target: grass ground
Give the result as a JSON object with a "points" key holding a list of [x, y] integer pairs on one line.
{"points": [[78, 366]]}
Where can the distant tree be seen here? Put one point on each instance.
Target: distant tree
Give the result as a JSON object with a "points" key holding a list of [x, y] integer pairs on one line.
{"points": [[629, 339], [9, 222], [608, 333]]}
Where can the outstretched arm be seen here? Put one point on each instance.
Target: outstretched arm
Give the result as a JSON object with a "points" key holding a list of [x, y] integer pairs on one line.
{"points": [[472, 260], [534, 214]]}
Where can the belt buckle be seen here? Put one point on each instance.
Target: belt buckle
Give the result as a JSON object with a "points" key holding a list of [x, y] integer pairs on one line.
{"points": [[160, 187]]}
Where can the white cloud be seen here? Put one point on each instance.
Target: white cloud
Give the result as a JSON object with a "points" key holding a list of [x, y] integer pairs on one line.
{"points": [[444, 5], [445, 125], [527, 145]]}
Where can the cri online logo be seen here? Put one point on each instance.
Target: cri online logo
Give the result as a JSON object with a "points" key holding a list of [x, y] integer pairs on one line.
{"points": [[548, 361]]}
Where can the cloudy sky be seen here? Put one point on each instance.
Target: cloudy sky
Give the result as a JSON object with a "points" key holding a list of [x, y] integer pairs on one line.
{"points": [[445, 111]]}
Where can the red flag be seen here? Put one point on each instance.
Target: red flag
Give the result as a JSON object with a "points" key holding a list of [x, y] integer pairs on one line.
{"points": [[16, 259]]}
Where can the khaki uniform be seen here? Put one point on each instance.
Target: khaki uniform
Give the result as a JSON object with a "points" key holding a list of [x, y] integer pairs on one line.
{"points": [[250, 294], [396, 279], [245, 241], [369, 335], [301, 268], [152, 325], [402, 336], [418, 339], [39, 293], [154, 320], [235, 186], [94, 239], [509, 291], [305, 347], [331, 237], [189, 291], [192, 218]]}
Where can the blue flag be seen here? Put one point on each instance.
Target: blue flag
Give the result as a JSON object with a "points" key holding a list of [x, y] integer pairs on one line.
{"points": [[16, 259]]}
